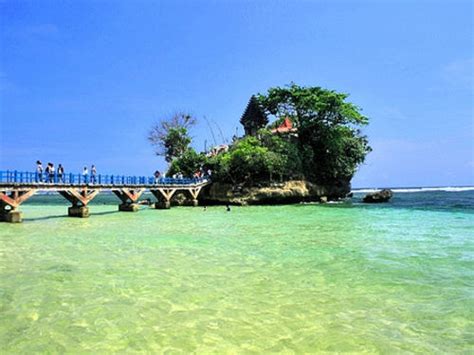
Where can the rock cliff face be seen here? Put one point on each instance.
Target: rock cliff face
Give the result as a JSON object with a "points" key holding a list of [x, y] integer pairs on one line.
{"points": [[275, 193]]}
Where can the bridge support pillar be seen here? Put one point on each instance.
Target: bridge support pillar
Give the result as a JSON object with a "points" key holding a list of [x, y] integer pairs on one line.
{"points": [[10, 216], [9, 203], [163, 195], [79, 198], [129, 197], [163, 205], [194, 195], [128, 207], [78, 211]]}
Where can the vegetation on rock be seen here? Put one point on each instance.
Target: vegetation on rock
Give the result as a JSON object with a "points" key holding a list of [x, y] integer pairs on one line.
{"points": [[326, 146]]}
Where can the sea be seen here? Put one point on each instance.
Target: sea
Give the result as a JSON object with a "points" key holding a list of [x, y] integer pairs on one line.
{"points": [[304, 278]]}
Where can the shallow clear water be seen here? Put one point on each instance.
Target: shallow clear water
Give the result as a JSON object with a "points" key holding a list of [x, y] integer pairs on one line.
{"points": [[302, 278]]}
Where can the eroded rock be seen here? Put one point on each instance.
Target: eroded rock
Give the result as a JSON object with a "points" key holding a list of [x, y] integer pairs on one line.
{"points": [[379, 196]]}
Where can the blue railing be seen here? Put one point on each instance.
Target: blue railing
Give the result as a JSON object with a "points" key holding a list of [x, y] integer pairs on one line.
{"points": [[22, 177]]}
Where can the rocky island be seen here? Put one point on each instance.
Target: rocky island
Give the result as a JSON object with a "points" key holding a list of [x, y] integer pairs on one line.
{"points": [[300, 144]]}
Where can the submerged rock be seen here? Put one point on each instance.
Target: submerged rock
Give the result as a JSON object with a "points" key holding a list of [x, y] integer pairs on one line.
{"points": [[378, 196]]}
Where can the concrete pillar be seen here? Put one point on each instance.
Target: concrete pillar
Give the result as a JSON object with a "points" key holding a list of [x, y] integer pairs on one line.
{"points": [[162, 205], [78, 211], [128, 207], [12, 216], [195, 203]]}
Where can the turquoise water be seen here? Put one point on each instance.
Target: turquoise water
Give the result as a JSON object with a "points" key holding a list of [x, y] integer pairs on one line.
{"points": [[299, 278]]}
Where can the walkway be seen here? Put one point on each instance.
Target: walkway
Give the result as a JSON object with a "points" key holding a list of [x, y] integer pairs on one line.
{"points": [[16, 187]]}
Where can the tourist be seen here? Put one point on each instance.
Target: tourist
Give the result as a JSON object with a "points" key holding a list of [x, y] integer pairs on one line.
{"points": [[39, 171], [93, 174], [60, 173], [51, 172], [227, 208], [85, 174], [157, 176]]}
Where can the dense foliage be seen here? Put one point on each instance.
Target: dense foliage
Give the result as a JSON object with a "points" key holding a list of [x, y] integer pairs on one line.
{"points": [[330, 145], [327, 147], [187, 163]]}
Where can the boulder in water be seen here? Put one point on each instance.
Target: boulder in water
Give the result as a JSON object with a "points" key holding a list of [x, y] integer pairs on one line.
{"points": [[378, 196]]}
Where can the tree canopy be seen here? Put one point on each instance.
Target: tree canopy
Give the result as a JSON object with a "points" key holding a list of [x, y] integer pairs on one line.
{"points": [[170, 136], [311, 104], [329, 140]]}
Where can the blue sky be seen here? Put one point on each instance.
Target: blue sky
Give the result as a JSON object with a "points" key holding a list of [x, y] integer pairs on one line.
{"points": [[81, 82]]}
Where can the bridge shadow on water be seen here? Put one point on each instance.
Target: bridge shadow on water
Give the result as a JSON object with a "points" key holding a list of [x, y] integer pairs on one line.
{"points": [[26, 219]]}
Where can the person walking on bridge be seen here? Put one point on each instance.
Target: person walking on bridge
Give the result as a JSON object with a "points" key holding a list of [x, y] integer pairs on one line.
{"points": [[60, 173], [93, 174], [39, 171], [85, 175], [157, 176], [49, 172]]}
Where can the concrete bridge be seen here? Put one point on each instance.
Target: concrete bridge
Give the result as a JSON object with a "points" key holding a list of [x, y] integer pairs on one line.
{"points": [[16, 187]]}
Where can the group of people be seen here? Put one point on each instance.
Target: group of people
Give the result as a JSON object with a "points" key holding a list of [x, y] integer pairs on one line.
{"points": [[93, 174], [199, 174], [51, 174]]}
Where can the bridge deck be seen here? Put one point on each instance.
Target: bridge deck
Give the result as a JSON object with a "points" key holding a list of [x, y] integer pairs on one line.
{"points": [[61, 187], [16, 187]]}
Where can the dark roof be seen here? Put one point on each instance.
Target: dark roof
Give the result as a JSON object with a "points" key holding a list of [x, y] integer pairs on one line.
{"points": [[254, 116]]}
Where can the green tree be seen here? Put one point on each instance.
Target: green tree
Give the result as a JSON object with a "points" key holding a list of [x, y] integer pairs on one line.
{"points": [[329, 142], [188, 163], [170, 136], [289, 164], [307, 104], [248, 161]]}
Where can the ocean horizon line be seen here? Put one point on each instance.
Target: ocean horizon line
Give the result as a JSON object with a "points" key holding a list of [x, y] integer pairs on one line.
{"points": [[403, 189]]}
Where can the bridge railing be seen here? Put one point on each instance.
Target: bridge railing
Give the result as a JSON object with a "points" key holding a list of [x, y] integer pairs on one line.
{"points": [[24, 177]]}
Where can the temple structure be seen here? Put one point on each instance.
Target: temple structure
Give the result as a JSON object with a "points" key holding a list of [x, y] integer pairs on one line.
{"points": [[253, 117], [286, 127]]}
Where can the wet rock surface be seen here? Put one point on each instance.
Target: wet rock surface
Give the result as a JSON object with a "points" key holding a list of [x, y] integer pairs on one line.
{"points": [[294, 191], [379, 196]]}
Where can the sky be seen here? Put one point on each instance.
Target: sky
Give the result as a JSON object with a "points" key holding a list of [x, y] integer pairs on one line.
{"points": [[82, 82]]}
